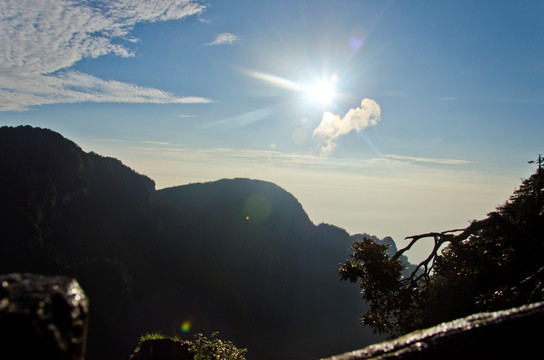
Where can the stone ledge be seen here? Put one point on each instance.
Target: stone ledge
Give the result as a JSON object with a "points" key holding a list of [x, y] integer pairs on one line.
{"points": [[508, 334]]}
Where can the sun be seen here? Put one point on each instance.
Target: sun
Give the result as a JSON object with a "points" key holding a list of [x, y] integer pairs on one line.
{"points": [[319, 91], [323, 91]]}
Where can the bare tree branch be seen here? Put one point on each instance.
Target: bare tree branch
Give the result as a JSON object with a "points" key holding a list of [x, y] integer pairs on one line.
{"points": [[440, 238]]}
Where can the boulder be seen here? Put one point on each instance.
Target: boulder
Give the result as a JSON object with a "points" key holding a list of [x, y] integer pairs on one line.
{"points": [[42, 317], [508, 334], [164, 349]]}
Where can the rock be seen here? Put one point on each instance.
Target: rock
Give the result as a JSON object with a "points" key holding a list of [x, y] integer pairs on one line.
{"points": [[164, 349], [42, 317], [509, 334]]}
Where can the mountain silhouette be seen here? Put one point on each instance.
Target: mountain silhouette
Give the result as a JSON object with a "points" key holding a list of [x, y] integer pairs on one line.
{"points": [[238, 256]]}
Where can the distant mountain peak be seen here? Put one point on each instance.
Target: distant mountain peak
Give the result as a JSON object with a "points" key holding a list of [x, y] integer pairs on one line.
{"points": [[236, 255]]}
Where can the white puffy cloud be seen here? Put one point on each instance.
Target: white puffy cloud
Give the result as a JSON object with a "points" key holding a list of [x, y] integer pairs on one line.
{"points": [[224, 39], [332, 126], [41, 39]]}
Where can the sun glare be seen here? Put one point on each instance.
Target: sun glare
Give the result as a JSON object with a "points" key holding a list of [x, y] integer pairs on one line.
{"points": [[323, 92]]}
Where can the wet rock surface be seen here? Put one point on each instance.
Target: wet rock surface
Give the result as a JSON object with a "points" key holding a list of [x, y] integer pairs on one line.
{"points": [[510, 334], [42, 317]]}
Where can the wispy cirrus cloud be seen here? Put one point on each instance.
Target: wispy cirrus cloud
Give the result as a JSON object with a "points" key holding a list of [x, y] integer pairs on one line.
{"points": [[153, 142], [41, 40], [271, 157], [333, 126], [224, 39], [20, 92], [428, 160], [274, 158]]}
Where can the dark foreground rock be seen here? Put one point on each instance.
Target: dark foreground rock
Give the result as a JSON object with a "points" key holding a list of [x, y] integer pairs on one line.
{"points": [[164, 349], [42, 317], [508, 334]]}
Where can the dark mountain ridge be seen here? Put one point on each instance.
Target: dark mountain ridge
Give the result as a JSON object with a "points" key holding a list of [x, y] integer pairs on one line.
{"points": [[239, 256]]}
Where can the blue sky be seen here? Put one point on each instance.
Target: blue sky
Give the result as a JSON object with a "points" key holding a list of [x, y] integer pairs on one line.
{"points": [[386, 117]]}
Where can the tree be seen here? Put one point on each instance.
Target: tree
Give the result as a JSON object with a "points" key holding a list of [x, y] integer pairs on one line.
{"points": [[495, 263], [381, 285]]}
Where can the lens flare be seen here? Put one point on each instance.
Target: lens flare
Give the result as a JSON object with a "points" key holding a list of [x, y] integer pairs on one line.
{"points": [[355, 43], [321, 92], [257, 208], [276, 80], [186, 326]]}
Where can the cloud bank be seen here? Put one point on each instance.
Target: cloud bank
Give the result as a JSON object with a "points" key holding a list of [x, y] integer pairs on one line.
{"points": [[42, 39], [224, 39], [333, 126]]}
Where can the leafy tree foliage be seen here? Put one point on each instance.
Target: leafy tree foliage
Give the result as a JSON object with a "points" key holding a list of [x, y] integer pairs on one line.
{"points": [[495, 263], [380, 281]]}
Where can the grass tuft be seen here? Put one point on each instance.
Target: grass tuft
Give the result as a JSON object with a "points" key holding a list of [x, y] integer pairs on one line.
{"points": [[154, 335]]}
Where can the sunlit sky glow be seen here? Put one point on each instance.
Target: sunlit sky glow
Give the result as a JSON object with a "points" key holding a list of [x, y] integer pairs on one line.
{"points": [[386, 117]]}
